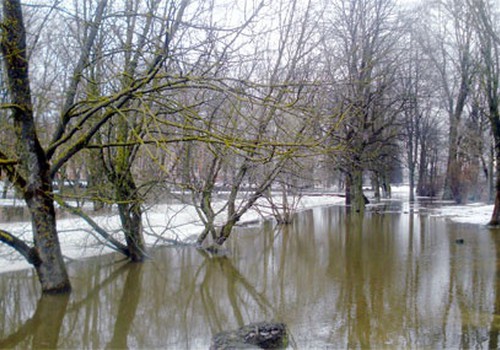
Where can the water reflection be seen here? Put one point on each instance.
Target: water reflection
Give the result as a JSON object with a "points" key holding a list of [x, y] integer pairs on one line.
{"points": [[41, 330], [337, 279], [127, 307]]}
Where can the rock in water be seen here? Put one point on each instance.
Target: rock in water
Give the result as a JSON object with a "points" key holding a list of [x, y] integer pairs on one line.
{"points": [[262, 335]]}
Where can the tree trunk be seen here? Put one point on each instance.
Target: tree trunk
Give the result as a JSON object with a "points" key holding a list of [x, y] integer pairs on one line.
{"points": [[129, 207], [454, 118], [130, 215], [491, 176], [450, 180], [411, 167], [226, 230], [96, 179], [32, 176], [386, 185], [376, 186], [51, 270], [206, 208], [5, 188], [495, 217], [423, 181], [348, 185], [357, 198], [411, 174]]}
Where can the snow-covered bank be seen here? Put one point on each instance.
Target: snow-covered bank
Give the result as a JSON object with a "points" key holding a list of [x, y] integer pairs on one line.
{"points": [[163, 223], [167, 223], [474, 213]]}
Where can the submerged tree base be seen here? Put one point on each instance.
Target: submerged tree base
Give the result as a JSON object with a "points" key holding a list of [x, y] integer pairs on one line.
{"points": [[263, 335], [215, 250]]}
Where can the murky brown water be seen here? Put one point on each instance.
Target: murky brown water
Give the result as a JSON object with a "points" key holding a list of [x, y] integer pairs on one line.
{"points": [[385, 280]]}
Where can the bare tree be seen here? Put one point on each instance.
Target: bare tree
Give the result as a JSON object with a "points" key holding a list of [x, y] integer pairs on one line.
{"points": [[451, 50], [362, 41], [421, 128], [127, 130], [259, 120], [488, 35], [32, 167], [30, 170]]}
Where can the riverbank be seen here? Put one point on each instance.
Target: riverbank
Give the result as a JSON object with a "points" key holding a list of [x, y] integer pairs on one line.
{"points": [[471, 213], [163, 224], [179, 223]]}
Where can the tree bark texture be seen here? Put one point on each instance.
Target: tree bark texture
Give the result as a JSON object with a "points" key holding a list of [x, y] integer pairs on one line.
{"points": [[358, 202], [354, 190], [495, 217], [33, 178], [129, 207]]}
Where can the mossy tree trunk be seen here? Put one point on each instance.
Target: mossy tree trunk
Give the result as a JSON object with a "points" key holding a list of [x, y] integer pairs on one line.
{"points": [[357, 197], [129, 207], [127, 197], [31, 174]]}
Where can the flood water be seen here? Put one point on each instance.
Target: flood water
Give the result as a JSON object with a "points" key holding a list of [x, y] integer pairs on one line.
{"points": [[385, 280]]}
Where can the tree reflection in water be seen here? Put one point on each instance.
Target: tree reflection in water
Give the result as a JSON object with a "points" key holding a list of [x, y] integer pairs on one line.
{"points": [[127, 308], [43, 328], [237, 289], [336, 279]]}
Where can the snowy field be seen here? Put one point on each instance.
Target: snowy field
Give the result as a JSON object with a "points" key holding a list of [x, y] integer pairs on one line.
{"points": [[168, 223], [472, 213]]}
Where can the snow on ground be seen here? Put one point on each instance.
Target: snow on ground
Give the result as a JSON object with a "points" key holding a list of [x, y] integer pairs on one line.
{"points": [[474, 213], [179, 222], [163, 224]]}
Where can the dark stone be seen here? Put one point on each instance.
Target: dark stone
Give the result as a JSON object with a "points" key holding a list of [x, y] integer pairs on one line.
{"points": [[262, 335]]}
